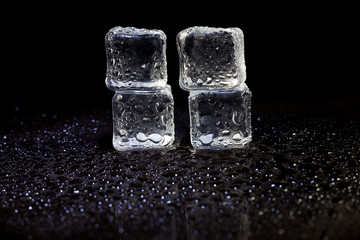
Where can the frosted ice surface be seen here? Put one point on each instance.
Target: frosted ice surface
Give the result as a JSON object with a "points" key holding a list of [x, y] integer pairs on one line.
{"points": [[135, 58], [220, 119], [143, 119], [211, 58]]}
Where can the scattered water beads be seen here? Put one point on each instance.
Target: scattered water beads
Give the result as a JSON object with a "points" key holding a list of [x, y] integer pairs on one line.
{"points": [[264, 191]]}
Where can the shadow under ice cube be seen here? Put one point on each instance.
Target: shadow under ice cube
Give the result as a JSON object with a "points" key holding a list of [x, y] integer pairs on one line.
{"points": [[143, 119], [220, 119]]}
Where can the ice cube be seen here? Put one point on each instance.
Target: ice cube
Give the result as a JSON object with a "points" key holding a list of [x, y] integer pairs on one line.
{"points": [[143, 119], [211, 58], [220, 119], [135, 58]]}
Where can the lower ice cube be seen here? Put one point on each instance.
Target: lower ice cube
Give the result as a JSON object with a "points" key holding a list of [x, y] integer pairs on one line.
{"points": [[220, 119], [143, 119]]}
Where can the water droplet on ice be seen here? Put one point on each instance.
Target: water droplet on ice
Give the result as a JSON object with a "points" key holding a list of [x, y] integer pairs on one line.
{"points": [[237, 119], [141, 137], [123, 132], [238, 136], [225, 132], [155, 137], [163, 119], [146, 120], [206, 139]]}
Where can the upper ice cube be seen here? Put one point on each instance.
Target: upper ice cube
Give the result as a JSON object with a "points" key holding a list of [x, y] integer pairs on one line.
{"points": [[211, 58], [135, 58]]}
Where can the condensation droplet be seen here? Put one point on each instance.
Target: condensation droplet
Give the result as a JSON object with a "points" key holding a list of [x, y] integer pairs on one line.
{"points": [[146, 120], [239, 136], [237, 118], [156, 138], [225, 132], [141, 137], [123, 132], [206, 139]]}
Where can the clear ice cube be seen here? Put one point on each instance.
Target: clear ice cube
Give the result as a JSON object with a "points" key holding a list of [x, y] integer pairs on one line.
{"points": [[211, 58], [135, 58], [220, 119], [143, 119]]}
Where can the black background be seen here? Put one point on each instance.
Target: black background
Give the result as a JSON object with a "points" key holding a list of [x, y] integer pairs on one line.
{"points": [[54, 56]]}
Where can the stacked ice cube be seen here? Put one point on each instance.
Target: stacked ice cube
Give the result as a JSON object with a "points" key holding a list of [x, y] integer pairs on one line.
{"points": [[143, 105], [212, 68]]}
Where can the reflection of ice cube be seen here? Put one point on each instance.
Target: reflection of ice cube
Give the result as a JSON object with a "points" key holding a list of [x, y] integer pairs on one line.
{"points": [[220, 119], [135, 58], [143, 119], [211, 58]]}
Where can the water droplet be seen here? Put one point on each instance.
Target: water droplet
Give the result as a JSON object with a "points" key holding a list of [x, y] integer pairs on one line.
{"points": [[163, 119], [239, 136], [206, 139], [141, 137], [146, 120], [112, 61], [156, 138], [123, 132], [237, 118], [225, 132]]}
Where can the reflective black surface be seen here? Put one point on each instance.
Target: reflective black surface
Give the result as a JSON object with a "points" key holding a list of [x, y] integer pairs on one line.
{"points": [[298, 179], [60, 178]]}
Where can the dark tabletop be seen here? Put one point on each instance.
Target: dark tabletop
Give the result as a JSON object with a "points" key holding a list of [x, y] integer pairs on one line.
{"points": [[298, 179]]}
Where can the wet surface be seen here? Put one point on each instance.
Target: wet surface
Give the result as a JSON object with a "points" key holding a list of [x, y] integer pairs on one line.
{"points": [[298, 179]]}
